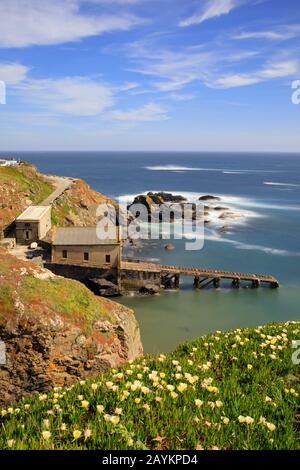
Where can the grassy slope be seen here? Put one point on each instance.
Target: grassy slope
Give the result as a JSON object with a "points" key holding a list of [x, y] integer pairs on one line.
{"points": [[18, 186], [70, 299], [156, 418]]}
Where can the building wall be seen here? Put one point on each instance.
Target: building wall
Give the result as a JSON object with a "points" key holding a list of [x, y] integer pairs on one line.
{"points": [[45, 224], [36, 229], [97, 255], [31, 227]]}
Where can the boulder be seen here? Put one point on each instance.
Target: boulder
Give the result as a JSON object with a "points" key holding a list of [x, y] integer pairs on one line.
{"points": [[169, 247], [208, 197]]}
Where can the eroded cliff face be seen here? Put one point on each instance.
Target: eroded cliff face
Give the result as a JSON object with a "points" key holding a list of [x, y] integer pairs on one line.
{"points": [[56, 331]]}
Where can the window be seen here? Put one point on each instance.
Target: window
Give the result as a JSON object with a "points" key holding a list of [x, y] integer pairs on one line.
{"points": [[86, 256], [107, 258], [64, 254], [27, 235]]}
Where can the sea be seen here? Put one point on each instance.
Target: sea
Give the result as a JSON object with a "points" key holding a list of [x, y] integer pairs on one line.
{"points": [[264, 188]]}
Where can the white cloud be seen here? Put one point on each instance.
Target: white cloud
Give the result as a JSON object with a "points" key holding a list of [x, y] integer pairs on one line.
{"points": [[181, 97], [12, 74], [281, 34], [148, 112], [34, 22], [75, 96], [270, 71], [211, 9]]}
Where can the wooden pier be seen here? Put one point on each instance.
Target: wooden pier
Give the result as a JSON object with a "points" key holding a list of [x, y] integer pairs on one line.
{"points": [[169, 276]]}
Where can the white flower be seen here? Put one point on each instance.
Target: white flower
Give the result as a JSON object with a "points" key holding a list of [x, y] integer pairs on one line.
{"points": [[198, 402], [11, 442], [87, 433], [94, 387], [271, 426], [46, 435], [46, 423], [100, 408]]}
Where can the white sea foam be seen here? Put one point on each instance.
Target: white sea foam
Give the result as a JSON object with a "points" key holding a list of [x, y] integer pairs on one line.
{"points": [[271, 183], [177, 168], [212, 235]]}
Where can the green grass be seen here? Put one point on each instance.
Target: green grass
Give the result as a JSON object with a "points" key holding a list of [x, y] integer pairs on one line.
{"points": [[26, 180], [235, 390]]}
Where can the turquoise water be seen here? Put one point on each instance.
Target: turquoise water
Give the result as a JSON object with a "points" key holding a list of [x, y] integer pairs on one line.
{"points": [[265, 187]]}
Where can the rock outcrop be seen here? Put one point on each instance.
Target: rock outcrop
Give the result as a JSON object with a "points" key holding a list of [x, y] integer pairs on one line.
{"points": [[56, 331]]}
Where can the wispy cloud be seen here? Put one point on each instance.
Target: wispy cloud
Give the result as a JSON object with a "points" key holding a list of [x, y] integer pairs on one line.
{"points": [[12, 74], [279, 34], [32, 22], [75, 96], [148, 112], [211, 9], [270, 71]]}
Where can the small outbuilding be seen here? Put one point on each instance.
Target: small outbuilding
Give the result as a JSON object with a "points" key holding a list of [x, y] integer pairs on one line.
{"points": [[80, 246], [33, 224]]}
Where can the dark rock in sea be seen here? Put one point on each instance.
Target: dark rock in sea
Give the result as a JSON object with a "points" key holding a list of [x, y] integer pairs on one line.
{"points": [[170, 247], [220, 208], [103, 287], [208, 197], [150, 289]]}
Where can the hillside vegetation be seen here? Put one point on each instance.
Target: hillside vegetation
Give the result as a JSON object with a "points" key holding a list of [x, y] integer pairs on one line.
{"points": [[20, 186], [235, 390]]}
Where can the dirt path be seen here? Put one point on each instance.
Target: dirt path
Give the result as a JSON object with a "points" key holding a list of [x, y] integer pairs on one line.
{"points": [[61, 184]]}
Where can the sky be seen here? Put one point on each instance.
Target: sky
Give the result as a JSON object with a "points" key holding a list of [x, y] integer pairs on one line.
{"points": [[197, 75]]}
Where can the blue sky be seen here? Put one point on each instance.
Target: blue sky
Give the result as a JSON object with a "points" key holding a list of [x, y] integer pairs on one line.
{"points": [[150, 75]]}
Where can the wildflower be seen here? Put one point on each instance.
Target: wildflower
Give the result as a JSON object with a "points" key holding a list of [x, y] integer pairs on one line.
{"points": [[271, 426], [109, 385], [27, 406], [225, 420], [118, 411], [170, 388], [106, 417], [198, 403], [249, 366], [140, 376], [190, 363], [158, 399], [249, 420], [174, 395], [115, 388], [130, 442], [219, 404], [46, 435], [208, 424], [63, 427], [241, 419], [42, 397], [199, 447], [87, 433], [3, 413], [85, 404], [76, 434], [162, 375], [145, 390], [268, 399], [100, 408], [175, 363], [115, 419], [262, 420], [46, 423], [214, 448], [196, 419], [11, 443], [82, 382], [182, 387], [178, 376], [137, 400], [146, 407], [10, 411], [212, 389], [80, 397], [94, 387]]}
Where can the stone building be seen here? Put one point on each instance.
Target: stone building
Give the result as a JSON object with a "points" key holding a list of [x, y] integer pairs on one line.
{"points": [[80, 246], [33, 224]]}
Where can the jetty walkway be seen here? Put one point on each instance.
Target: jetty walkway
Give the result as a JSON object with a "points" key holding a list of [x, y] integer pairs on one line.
{"points": [[170, 275]]}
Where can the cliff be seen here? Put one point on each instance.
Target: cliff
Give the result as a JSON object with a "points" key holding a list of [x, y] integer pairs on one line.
{"points": [[23, 185], [20, 187], [55, 330]]}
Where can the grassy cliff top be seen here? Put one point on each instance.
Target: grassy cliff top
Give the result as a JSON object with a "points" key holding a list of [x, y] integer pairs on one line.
{"points": [[20, 186], [32, 292], [234, 390]]}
